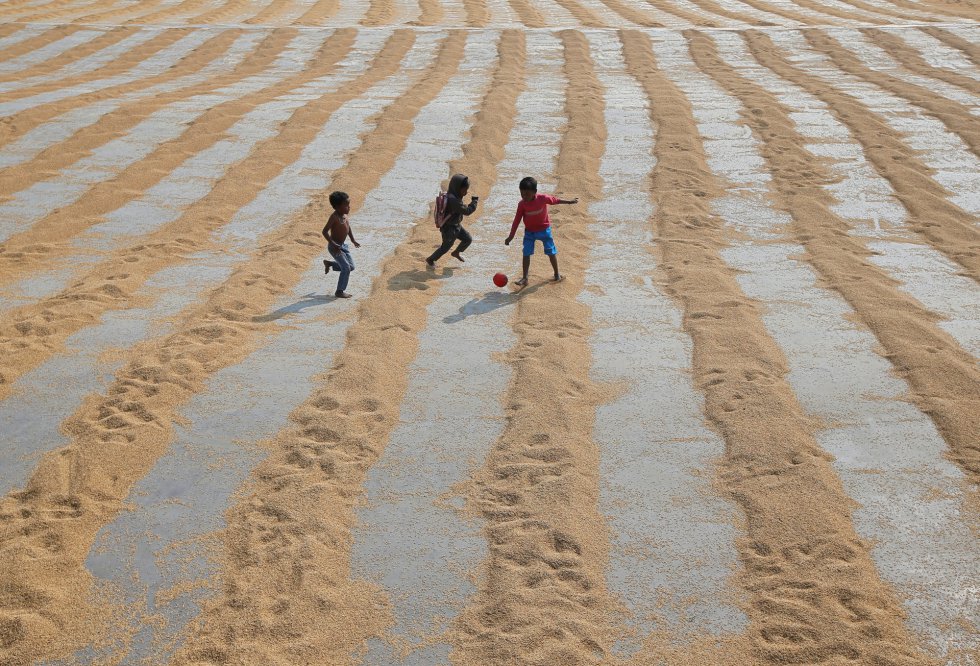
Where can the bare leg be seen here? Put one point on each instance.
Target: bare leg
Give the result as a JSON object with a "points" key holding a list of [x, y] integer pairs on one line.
{"points": [[527, 266], [554, 264]]}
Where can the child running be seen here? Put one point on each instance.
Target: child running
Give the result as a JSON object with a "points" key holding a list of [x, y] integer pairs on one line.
{"points": [[452, 229], [533, 209], [336, 231]]}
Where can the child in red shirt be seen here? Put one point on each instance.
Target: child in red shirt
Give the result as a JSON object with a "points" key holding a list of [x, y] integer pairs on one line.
{"points": [[533, 209]]}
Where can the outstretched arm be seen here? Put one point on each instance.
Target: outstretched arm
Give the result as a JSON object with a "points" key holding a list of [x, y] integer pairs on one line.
{"points": [[568, 201]]}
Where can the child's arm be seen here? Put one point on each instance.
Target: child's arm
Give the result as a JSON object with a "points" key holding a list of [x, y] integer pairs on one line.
{"points": [[518, 216], [552, 200], [350, 234], [455, 206], [327, 227]]}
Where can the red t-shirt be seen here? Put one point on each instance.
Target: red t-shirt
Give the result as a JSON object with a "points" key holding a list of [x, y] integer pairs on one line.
{"points": [[534, 213]]}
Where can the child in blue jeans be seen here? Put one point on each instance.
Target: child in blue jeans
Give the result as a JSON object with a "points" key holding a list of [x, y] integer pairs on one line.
{"points": [[336, 231], [533, 209]]}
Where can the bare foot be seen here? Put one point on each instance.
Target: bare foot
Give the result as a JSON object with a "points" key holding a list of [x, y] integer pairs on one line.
{"points": [[430, 263], [522, 282], [458, 256], [343, 294], [557, 278], [326, 267]]}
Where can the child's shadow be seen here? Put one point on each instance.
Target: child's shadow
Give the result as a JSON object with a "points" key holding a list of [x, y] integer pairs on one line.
{"points": [[489, 302], [308, 301], [417, 278]]}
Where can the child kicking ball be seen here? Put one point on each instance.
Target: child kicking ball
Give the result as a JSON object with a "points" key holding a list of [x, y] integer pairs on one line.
{"points": [[533, 210]]}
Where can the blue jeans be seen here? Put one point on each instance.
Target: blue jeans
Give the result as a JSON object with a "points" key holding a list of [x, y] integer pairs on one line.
{"points": [[343, 263]]}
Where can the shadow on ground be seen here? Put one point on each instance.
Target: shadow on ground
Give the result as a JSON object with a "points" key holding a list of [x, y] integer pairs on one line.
{"points": [[489, 302], [413, 279], [418, 278], [308, 301]]}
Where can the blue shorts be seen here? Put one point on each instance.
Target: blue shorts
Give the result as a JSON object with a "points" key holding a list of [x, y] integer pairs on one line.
{"points": [[544, 237]]}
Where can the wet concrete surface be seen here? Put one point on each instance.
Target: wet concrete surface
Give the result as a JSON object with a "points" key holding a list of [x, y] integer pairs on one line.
{"points": [[64, 14], [48, 51], [404, 12], [108, 160], [67, 124], [938, 54], [179, 285], [697, 10], [955, 167], [917, 15], [872, 17], [889, 455], [555, 15], [818, 18], [25, 33], [164, 60], [87, 64], [31, 418], [868, 202], [502, 15], [293, 12], [193, 180], [607, 15], [672, 547], [878, 59], [931, 278], [290, 190], [756, 15], [43, 283], [349, 12], [167, 538], [411, 537]]}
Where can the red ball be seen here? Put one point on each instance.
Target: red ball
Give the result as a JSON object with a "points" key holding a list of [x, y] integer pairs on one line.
{"points": [[500, 279]]}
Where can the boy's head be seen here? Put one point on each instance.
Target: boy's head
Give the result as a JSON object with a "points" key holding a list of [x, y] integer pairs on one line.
{"points": [[529, 188], [340, 202]]}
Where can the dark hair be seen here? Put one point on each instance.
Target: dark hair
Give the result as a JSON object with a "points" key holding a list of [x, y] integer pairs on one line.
{"points": [[338, 198], [528, 183]]}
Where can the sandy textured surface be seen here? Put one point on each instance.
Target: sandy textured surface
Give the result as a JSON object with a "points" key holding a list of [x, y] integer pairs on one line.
{"points": [[743, 429]]}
